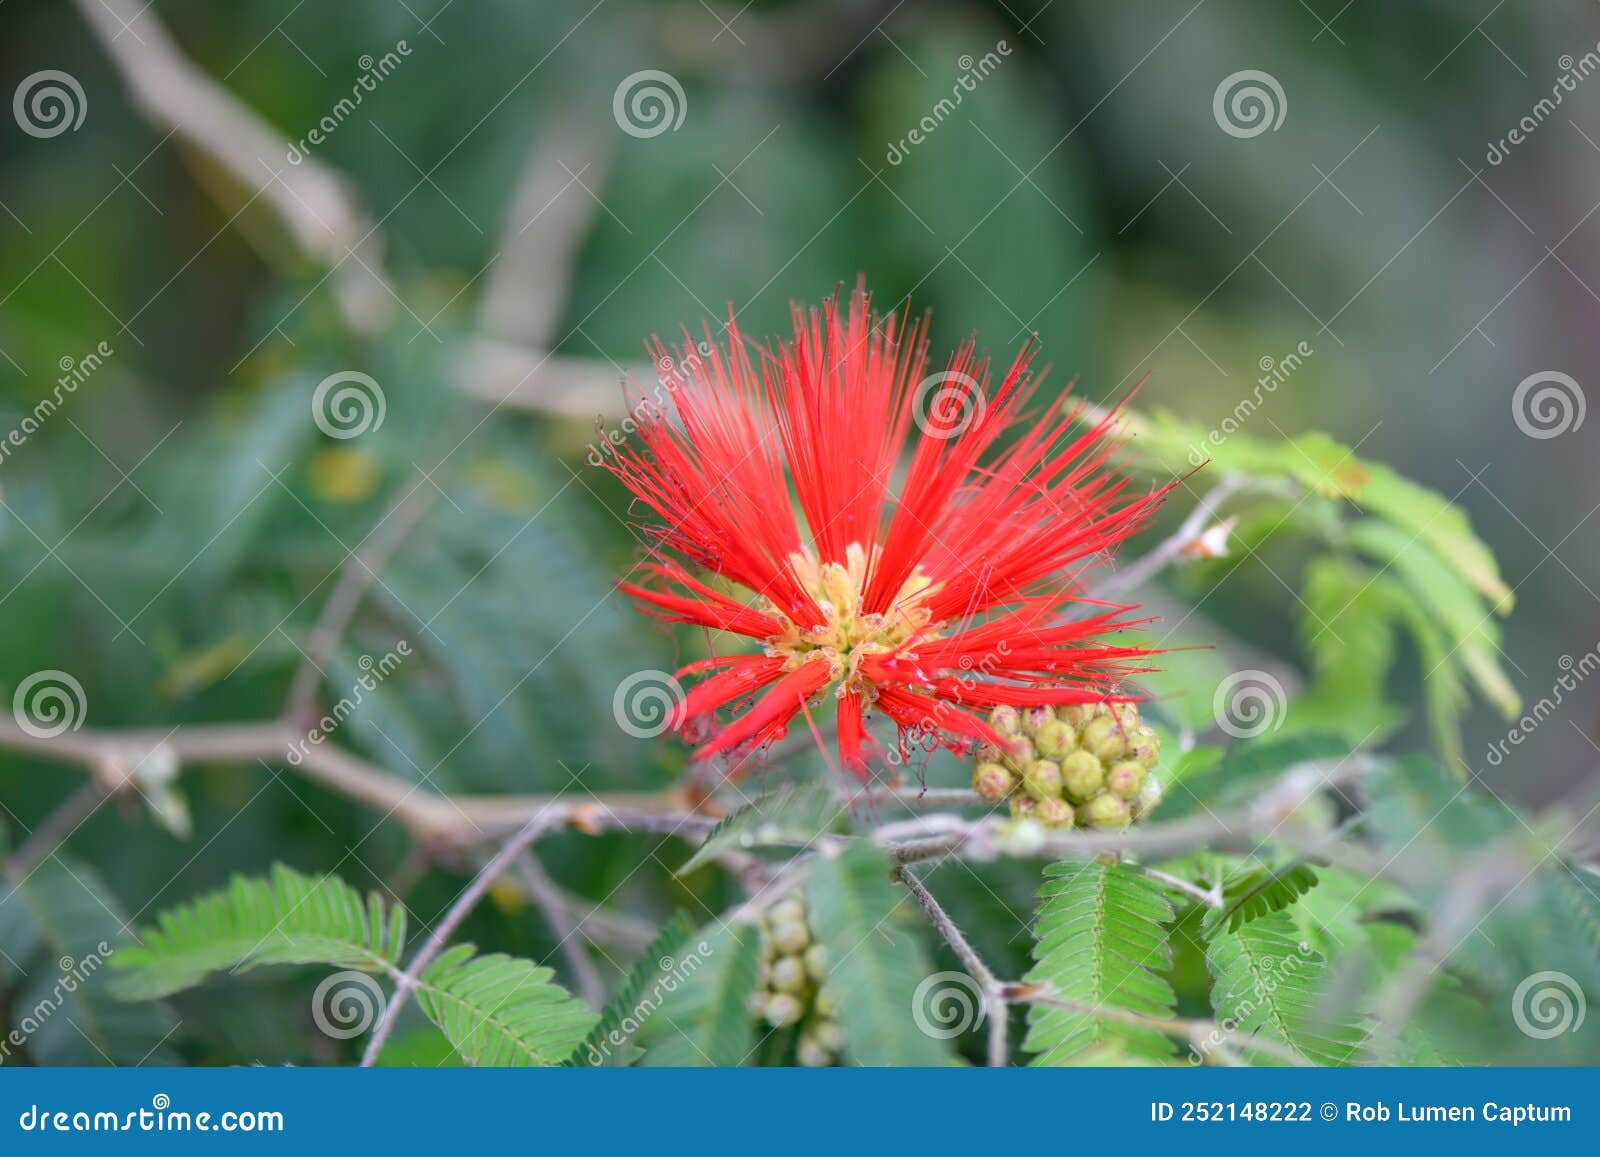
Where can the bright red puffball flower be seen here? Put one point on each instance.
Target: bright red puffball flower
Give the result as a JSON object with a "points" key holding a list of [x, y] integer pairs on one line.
{"points": [[931, 600]]}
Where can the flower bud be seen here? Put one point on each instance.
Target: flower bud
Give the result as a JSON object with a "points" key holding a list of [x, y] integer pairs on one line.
{"points": [[826, 1002], [790, 937], [1006, 720], [1055, 739], [1149, 796], [816, 959], [1144, 745], [1103, 736], [1042, 779], [1126, 778], [789, 975], [1081, 775], [1106, 811], [1053, 813], [812, 1054], [787, 911], [1036, 717], [992, 781], [828, 1034], [782, 1010], [1021, 837]]}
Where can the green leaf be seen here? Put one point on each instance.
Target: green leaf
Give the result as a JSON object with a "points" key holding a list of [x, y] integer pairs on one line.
{"points": [[790, 817], [1101, 941], [610, 1042], [60, 927], [707, 1021], [502, 1011], [286, 918], [875, 961], [1265, 982], [1261, 892]]}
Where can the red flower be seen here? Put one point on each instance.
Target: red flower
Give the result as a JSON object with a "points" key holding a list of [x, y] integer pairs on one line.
{"points": [[931, 600]]}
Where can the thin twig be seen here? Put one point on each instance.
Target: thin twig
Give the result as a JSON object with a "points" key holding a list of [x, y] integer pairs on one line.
{"points": [[995, 1006], [54, 829], [360, 571], [411, 977], [542, 890], [1146, 567]]}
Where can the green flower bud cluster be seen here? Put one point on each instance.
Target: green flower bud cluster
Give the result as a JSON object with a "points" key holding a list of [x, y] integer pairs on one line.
{"points": [[1087, 765], [794, 990]]}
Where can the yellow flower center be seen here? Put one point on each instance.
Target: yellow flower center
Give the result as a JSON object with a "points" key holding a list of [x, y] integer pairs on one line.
{"points": [[847, 633]]}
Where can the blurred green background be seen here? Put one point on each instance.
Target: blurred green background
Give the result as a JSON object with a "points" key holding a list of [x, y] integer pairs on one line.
{"points": [[171, 533]]}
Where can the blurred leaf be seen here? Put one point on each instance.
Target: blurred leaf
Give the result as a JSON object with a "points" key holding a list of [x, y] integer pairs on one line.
{"points": [[874, 962], [707, 1020], [791, 816], [611, 1039]]}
